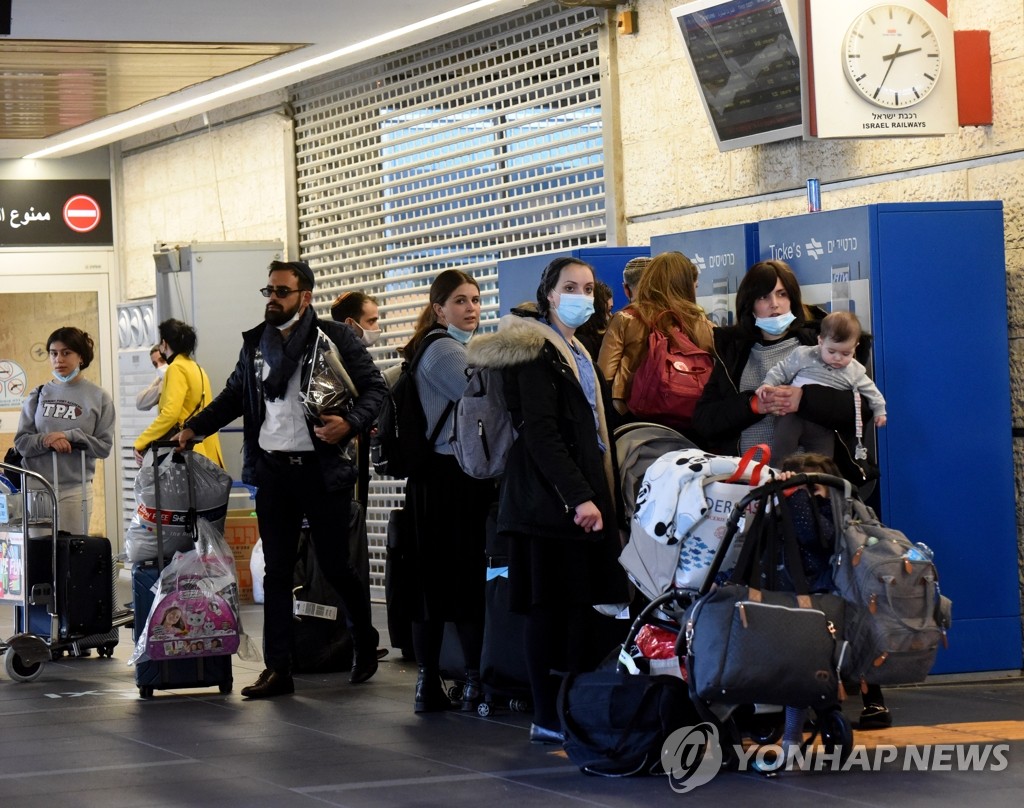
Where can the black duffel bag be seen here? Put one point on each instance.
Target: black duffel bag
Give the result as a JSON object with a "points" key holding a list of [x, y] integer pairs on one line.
{"points": [[615, 723]]}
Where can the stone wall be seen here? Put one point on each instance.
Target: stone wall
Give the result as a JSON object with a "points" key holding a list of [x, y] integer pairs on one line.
{"points": [[225, 182]]}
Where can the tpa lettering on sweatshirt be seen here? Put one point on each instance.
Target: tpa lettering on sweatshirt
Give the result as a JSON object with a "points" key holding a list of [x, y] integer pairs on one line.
{"points": [[62, 410]]}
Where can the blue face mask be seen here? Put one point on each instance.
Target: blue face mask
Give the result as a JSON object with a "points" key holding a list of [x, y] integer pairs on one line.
{"points": [[574, 310], [459, 334], [775, 325], [67, 378]]}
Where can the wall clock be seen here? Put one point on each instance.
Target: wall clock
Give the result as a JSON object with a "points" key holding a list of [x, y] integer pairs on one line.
{"points": [[874, 69], [892, 56]]}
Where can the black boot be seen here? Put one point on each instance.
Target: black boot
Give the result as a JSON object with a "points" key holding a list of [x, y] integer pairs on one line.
{"points": [[430, 695], [472, 692]]}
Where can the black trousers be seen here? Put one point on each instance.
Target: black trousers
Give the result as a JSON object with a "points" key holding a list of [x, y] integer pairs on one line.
{"points": [[289, 488]]}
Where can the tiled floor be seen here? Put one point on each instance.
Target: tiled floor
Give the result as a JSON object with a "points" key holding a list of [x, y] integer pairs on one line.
{"points": [[80, 736]]}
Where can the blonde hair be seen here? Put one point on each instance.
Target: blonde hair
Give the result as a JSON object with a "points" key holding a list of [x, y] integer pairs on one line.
{"points": [[665, 297]]}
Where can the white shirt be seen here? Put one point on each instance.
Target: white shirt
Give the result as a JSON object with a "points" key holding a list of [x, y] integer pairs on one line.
{"points": [[284, 426]]}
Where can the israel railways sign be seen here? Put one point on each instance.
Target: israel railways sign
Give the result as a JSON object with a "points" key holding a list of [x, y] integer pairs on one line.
{"points": [[55, 213]]}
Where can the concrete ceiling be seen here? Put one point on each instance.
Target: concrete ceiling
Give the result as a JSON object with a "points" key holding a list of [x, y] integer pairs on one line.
{"points": [[72, 69]]}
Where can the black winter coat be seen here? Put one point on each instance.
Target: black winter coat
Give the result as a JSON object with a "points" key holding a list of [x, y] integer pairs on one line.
{"points": [[723, 411], [243, 395], [554, 465]]}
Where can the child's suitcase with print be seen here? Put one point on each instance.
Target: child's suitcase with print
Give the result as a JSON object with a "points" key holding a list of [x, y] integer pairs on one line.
{"points": [[169, 674], [151, 675]]}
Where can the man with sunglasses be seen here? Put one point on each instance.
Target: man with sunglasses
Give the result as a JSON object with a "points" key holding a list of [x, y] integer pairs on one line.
{"points": [[299, 467]]}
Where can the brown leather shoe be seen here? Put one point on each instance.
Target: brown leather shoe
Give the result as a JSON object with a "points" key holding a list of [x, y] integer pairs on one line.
{"points": [[270, 683]]}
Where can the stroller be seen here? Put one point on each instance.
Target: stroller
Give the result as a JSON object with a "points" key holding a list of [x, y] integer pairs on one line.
{"points": [[675, 575]]}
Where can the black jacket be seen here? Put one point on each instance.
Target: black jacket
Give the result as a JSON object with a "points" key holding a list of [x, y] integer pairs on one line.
{"points": [[556, 463], [243, 395], [723, 411]]}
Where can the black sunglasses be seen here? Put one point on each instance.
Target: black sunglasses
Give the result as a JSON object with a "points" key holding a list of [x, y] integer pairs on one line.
{"points": [[278, 291]]}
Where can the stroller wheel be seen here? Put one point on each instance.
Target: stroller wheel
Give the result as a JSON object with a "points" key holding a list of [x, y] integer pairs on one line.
{"points": [[483, 709], [767, 730], [836, 733]]}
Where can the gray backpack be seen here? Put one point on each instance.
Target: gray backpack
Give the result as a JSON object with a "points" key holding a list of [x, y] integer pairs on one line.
{"points": [[483, 431], [898, 616]]}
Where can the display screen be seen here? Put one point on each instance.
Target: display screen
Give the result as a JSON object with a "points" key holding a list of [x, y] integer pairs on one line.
{"points": [[747, 66]]}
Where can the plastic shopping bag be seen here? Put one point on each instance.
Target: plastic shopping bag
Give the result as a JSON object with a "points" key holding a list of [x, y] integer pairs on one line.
{"points": [[196, 611], [212, 489]]}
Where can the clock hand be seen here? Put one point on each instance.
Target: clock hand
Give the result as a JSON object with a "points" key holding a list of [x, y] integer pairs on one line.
{"points": [[897, 53], [892, 60]]}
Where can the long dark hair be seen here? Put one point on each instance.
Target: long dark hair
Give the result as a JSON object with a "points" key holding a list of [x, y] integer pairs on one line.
{"points": [[179, 336], [441, 289], [549, 280], [758, 282], [75, 339]]}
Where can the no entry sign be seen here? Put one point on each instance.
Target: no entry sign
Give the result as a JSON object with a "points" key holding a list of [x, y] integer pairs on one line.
{"points": [[55, 213], [81, 213]]}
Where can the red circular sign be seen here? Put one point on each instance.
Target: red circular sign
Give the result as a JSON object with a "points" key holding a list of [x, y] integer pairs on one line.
{"points": [[82, 213]]}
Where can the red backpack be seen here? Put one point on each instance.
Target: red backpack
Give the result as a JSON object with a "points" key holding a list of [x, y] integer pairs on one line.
{"points": [[670, 380]]}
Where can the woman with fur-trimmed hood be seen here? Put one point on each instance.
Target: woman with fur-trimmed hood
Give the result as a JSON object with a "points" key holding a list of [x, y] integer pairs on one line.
{"points": [[558, 494]]}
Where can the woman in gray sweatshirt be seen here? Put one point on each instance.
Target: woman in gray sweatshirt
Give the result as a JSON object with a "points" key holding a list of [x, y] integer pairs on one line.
{"points": [[67, 414]]}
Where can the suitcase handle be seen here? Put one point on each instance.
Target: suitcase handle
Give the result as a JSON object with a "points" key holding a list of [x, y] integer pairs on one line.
{"points": [[187, 456]]}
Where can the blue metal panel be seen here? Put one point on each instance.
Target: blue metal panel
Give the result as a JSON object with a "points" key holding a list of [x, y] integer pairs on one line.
{"points": [[722, 255], [946, 453], [518, 278]]}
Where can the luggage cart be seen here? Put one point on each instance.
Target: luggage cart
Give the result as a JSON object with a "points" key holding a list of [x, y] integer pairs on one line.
{"points": [[72, 609]]}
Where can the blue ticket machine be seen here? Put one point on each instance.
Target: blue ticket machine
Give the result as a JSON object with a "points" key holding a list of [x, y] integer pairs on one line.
{"points": [[722, 256], [928, 280]]}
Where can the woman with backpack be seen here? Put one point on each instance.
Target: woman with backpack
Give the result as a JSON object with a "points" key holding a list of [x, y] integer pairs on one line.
{"points": [[449, 508], [665, 303], [558, 494]]}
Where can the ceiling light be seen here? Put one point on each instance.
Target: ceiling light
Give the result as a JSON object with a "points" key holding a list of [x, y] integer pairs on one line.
{"points": [[248, 84]]}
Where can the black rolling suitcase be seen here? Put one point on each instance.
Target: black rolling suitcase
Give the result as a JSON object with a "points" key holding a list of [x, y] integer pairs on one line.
{"points": [[399, 567], [150, 675], [503, 673], [85, 581], [503, 670]]}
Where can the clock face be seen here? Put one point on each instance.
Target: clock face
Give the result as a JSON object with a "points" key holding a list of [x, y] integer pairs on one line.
{"points": [[891, 56]]}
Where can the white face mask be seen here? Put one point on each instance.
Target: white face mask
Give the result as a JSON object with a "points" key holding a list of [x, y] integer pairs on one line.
{"points": [[291, 322], [162, 369], [369, 337]]}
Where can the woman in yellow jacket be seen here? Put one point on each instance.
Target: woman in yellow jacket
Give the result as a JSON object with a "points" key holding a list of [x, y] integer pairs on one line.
{"points": [[186, 391]]}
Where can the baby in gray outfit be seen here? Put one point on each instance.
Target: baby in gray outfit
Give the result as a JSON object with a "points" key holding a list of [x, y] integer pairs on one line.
{"points": [[829, 363]]}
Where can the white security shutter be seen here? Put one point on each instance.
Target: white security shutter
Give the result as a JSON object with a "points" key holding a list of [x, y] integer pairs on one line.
{"points": [[480, 146]]}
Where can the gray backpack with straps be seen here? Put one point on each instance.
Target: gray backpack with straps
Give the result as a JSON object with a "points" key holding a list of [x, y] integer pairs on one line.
{"points": [[898, 617], [483, 431]]}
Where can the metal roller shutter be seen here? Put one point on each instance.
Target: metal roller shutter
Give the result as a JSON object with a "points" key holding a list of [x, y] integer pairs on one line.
{"points": [[480, 146]]}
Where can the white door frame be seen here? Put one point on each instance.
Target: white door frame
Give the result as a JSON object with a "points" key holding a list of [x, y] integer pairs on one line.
{"points": [[76, 269]]}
